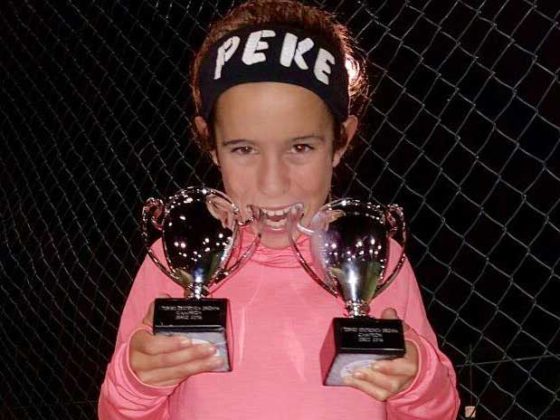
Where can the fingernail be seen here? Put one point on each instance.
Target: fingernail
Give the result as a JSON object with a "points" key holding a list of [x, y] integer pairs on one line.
{"points": [[358, 374], [208, 348], [217, 361]]}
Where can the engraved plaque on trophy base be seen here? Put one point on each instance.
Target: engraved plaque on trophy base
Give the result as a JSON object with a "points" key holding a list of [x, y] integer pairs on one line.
{"points": [[353, 343], [202, 320]]}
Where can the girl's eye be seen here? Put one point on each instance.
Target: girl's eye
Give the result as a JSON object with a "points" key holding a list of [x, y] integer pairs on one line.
{"points": [[242, 150], [301, 148]]}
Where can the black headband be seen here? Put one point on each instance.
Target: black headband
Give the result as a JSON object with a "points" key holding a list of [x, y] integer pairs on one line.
{"points": [[271, 53]]}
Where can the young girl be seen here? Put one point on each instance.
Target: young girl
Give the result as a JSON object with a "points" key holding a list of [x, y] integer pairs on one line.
{"points": [[275, 109]]}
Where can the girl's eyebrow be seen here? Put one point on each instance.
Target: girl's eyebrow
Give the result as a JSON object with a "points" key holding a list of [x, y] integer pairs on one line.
{"points": [[236, 142], [309, 137]]}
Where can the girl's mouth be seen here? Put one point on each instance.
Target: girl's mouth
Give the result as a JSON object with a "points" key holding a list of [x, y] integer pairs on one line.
{"points": [[275, 218]]}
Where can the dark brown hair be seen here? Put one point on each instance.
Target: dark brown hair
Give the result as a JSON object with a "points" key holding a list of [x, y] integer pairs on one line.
{"points": [[290, 13]]}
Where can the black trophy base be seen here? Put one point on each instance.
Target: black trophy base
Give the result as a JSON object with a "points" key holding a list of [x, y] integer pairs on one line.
{"points": [[353, 343], [202, 320]]}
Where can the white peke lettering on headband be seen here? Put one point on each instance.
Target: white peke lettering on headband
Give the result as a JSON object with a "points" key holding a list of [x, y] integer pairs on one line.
{"points": [[292, 52]]}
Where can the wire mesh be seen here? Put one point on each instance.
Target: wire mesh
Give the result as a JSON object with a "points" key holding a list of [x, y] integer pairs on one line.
{"points": [[462, 131]]}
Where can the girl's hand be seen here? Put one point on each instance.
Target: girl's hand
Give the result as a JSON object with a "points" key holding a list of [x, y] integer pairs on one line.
{"points": [[386, 378], [160, 360]]}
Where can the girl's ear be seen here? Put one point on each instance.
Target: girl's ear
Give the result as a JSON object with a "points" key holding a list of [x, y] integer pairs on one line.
{"points": [[350, 126], [201, 126], [204, 133]]}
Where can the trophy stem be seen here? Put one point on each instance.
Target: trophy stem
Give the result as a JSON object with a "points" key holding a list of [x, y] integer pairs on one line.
{"points": [[357, 308], [198, 291]]}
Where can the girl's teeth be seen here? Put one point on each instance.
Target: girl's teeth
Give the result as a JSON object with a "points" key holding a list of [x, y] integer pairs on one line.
{"points": [[281, 212], [276, 225], [276, 219]]}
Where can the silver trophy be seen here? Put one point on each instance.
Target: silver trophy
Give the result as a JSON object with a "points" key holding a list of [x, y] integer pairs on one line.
{"points": [[350, 243], [202, 244]]}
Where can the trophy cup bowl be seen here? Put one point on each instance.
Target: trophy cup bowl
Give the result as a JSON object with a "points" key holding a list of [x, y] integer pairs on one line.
{"points": [[201, 238], [350, 242]]}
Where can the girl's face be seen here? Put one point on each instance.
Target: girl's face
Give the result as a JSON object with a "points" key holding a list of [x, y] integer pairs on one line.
{"points": [[274, 147]]}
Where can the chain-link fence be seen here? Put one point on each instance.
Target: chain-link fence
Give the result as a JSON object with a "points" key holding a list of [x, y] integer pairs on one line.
{"points": [[463, 131]]}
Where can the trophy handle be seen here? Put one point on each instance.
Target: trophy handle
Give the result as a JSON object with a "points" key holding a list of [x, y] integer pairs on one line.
{"points": [[257, 217], [293, 218], [152, 213], [396, 224]]}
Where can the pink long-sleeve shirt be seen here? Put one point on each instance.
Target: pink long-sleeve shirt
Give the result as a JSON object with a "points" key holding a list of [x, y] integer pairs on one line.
{"points": [[280, 317]]}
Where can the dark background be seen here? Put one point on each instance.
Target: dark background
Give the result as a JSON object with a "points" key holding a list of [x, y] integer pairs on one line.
{"points": [[462, 131]]}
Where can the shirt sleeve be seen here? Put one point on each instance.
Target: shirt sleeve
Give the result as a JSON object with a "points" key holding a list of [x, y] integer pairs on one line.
{"points": [[123, 395], [433, 393]]}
